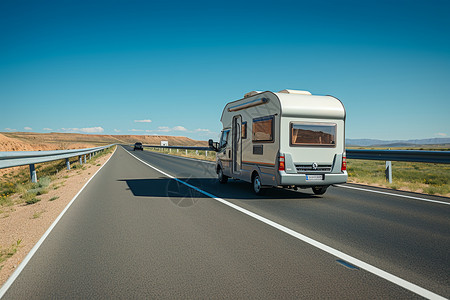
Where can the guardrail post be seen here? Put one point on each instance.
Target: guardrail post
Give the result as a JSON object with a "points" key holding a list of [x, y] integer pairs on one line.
{"points": [[33, 173], [67, 164], [170, 150], [85, 158], [186, 151], [90, 156], [177, 150], [196, 152], [388, 171], [80, 159], [206, 153]]}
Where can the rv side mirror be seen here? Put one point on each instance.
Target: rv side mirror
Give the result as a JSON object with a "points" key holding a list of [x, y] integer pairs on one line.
{"points": [[214, 146]]}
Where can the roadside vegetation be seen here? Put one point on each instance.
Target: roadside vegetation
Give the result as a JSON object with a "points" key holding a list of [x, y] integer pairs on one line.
{"points": [[6, 253], [433, 179]]}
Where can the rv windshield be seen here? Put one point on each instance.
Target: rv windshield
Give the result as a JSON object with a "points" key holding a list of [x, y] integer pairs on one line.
{"points": [[319, 134], [224, 139]]}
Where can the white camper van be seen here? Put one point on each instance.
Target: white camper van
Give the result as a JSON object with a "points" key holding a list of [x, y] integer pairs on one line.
{"points": [[290, 139]]}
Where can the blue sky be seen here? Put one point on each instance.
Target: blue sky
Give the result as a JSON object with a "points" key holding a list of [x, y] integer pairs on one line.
{"points": [[169, 67]]}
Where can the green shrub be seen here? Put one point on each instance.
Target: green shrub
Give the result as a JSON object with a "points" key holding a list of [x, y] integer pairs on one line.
{"points": [[8, 252], [32, 201], [27, 196], [44, 181]]}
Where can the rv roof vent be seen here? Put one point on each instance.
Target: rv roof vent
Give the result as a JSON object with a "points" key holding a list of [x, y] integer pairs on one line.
{"points": [[252, 93], [295, 92]]}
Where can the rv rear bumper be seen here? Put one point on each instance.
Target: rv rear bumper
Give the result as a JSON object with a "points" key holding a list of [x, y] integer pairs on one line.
{"points": [[302, 180]]}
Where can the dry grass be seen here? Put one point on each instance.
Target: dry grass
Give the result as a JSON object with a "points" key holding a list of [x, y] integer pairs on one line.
{"points": [[433, 179], [16, 188], [6, 253]]}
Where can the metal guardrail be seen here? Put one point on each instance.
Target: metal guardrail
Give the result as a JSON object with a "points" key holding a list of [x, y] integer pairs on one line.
{"points": [[440, 157], [181, 147], [10, 159]]}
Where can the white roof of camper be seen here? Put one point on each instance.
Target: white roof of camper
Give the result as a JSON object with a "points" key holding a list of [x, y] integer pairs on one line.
{"points": [[310, 106], [295, 103]]}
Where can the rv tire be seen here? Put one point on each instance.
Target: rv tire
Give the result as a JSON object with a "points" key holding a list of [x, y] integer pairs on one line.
{"points": [[222, 178], [320, 190], [257, 186]]}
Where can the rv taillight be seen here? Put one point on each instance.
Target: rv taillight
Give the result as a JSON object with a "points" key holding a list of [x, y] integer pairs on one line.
{"points": [[344, 163], [281, 166]]}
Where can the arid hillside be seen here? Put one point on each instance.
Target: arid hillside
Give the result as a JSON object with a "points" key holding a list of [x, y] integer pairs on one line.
{"points": [[30, 141]]}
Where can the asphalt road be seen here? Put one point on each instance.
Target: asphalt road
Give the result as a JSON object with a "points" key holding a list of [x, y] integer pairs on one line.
{"points": [[135, 233]]}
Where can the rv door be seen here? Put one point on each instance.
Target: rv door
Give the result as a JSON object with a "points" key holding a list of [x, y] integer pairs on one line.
{"points": [[236, 144]]}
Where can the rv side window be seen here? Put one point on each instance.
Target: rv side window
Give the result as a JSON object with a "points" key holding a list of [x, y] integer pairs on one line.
{"points": [[244, 130], [263, 129], [313, 134], [224, 139]]}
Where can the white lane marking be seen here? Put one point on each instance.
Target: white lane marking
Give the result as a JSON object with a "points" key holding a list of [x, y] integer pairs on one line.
{"points": [[392, 194], [363, 265], [30, 254], [187, 158]]}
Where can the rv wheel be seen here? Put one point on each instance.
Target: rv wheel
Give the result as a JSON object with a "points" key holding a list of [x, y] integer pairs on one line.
{"points": [[222, 178], [257, 188], [319, 190]]}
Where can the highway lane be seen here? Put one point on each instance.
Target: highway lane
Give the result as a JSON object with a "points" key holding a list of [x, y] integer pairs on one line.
{"points": [[134, 233], [408, 238]]}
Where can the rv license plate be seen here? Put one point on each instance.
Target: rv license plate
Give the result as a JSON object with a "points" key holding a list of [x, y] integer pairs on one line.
{"points": [[314, 177]]}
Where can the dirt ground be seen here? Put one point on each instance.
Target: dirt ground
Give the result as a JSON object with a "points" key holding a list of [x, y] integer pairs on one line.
{"points": [[27, 223]]}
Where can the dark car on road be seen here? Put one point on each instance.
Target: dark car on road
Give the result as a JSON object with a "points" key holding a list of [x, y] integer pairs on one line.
{"points": [[138, 146]]}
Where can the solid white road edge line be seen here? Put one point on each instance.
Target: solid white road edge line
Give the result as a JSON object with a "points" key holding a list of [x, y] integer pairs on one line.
{"points": [[392, 194], [363, 265], [33, 250]]}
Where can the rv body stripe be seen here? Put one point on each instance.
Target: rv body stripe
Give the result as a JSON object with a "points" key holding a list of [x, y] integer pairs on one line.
{"points": [[258, 163]]}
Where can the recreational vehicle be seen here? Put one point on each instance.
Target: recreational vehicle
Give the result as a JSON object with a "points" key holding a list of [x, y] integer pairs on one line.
{"points": [[289, 139]]}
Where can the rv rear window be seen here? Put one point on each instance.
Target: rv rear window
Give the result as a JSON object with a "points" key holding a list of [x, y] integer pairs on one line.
{"points": [[309, 134], [263, 129]]}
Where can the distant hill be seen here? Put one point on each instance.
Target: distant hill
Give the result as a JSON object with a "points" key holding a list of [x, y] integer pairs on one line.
{"points": [[26, 141], [31, 141], [396, 143]]}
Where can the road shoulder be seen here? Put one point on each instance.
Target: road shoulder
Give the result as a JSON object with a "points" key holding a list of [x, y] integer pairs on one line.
{"points": [[23, 225]]}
